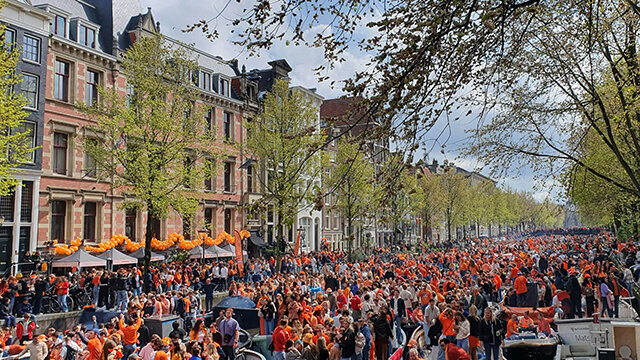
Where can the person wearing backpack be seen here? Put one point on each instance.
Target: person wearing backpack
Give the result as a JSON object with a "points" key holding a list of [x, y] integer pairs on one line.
{"points": [[360, 342]]}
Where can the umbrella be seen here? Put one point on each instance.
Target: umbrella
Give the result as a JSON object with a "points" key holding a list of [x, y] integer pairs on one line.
{"points": [[139, 254], [221, 252], [117, 257], [79, 259]]}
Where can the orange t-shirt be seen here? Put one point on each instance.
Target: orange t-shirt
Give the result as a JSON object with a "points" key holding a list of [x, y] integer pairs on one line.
{"points": [[130, 333], [512, 328], [95, 349], [161, 355]]}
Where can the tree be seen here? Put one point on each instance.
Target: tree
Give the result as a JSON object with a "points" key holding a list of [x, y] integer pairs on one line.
{"points": [[455, 188], [281, 138], [352, 181], [15, 146], [152, 145], [427, 199], [540, 65]]}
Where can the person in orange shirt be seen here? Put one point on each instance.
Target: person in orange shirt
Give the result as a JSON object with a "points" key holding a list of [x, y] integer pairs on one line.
{"points": [[447, 321], [94, 345], [512, 326], [520, 284], [129, 334], [526, 321]]}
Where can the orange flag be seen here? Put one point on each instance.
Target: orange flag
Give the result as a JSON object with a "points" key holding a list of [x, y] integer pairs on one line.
{"points": [[238, 245]]}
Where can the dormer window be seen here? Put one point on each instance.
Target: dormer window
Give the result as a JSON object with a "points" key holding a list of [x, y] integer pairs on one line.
{"points": [[59, 26], [224, 87], [87, 36]]}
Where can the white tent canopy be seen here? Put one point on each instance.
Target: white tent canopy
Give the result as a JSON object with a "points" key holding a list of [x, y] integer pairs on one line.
{"points": [[117, 257], [196, 253], [139, 254], [220, 252], [79, 259]]}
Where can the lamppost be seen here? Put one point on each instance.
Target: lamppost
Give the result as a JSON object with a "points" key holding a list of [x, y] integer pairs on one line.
{"points": [[205, 231]]}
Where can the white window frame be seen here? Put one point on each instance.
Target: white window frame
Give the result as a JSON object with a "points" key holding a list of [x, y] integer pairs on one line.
{"points": [[37, 90], [225, 91], [88, 26], [37, 51]]}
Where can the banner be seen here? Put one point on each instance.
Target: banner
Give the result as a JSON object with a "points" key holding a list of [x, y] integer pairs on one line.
{"points": [[239, 259], [297, 247]]}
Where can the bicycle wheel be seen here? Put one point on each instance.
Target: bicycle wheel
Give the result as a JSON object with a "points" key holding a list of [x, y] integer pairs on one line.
{"points": [[54, 305], [70, 303], [46, 305]]}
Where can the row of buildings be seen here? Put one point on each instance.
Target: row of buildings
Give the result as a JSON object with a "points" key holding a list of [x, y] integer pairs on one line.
{"points": [[71, 48]]}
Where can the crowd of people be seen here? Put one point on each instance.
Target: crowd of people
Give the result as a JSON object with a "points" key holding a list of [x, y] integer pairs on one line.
{"points": [[323, 306]]}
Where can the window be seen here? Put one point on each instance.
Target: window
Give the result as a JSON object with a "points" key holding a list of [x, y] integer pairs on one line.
{"points": [[209, 174], [155, 227], [60, 145], [205, 81], [27, 201], [87, 36], [59, 26], [61, 81], [6, 206], [188, 164], [130, 220], [130, 93], [228, 177], [31, 49], [227, 126], [336, 220], [90, 167], [90, 215], [210, 220], [224, 87], [58, 218], [9, 39], [228, 221], [29, 88], [250, 179], [327, 219], [30, 138], [91, 92], [208, 120]]}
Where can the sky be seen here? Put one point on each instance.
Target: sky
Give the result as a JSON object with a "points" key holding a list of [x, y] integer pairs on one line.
{"points": [[175, 15]]}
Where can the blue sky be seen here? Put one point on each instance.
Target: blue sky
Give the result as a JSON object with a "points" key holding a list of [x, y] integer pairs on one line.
{"points": [[176, 15]]}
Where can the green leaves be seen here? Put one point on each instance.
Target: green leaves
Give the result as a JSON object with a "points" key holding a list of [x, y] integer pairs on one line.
{"points": [[15, 147]]}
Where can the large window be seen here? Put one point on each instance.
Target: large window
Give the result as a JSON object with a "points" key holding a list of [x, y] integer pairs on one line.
{"points": [[228, 221], [224, 87], [130, 221], [29, 88], [209, 174], [205, 81], [27, 201], [91, 89], [31, 48], [90, 216], [87, 36], [227, 126], [58, 219], [156, 227], [61, 81], [9, 39], [250, 179], [60, 147], [228, 177], [6, 206], [59, 25], [208, 120], [30, 139], [90, 166], [210, 220]]}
